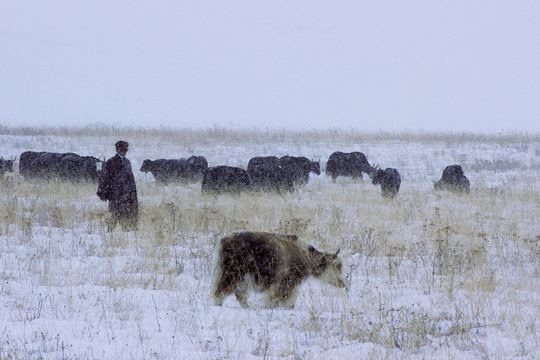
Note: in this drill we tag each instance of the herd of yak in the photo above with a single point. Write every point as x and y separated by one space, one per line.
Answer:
268 173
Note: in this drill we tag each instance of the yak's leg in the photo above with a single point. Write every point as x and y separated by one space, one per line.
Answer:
286 292
219 297
222 289
241 293
291 299
271 297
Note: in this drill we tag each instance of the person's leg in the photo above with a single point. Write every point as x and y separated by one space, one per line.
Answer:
129 219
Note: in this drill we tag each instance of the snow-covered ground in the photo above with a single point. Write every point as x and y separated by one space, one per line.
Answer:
432 275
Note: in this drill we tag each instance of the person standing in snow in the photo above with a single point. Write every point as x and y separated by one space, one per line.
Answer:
116 184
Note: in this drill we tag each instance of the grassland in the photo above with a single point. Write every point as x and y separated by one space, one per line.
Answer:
432 274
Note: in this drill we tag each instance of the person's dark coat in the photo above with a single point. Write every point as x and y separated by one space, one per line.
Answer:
117 185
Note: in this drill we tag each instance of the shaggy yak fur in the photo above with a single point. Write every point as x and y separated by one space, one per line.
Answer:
5 166
275 264
225 179
390 181
453 179
348 164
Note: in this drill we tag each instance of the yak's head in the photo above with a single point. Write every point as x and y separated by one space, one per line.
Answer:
315 166
328 267
378 177
146 166
6 165
372 171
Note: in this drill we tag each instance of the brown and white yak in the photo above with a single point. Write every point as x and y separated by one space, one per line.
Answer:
274 264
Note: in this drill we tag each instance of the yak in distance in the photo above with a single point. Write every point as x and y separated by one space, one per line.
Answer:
188 170
453 179
348 164
6 166
267 175
262 160
225 179
63 166
390 181
284 173
275 264
298 168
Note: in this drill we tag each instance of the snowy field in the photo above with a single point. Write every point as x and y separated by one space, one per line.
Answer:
432 274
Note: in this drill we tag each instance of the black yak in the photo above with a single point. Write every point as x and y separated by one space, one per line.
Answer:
5 166
25 163
65 166
188 170
298 168
348 164
275 264
270 177
225 179
453 179
390 181
260 160
80 168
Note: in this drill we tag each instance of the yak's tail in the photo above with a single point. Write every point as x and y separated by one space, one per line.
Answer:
217 271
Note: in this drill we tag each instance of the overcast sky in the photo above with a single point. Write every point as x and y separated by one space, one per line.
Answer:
391 65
